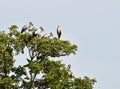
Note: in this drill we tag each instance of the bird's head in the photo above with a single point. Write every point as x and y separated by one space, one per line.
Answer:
30 23
51 34
59 27
41 28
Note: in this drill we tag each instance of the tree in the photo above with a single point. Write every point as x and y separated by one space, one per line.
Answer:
40 71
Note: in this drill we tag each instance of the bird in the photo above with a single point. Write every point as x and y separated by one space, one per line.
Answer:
38 31
25 27
59 31
48 35
69 66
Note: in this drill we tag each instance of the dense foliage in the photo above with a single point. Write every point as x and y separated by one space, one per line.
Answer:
52 74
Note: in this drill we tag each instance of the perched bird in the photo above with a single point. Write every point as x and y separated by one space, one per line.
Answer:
38 31
25 27
48 35
68 67
59 31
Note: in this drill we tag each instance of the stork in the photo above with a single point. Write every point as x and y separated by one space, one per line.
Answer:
69 66
25 27
48 35
59 31
38 31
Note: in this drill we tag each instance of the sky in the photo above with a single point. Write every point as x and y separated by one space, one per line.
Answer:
93 25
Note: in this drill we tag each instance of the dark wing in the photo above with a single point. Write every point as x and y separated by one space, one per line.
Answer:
34 34
59 34
24 29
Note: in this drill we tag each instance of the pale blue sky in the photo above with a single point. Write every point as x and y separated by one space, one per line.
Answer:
93 25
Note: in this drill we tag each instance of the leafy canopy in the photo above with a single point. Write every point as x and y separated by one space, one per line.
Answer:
40 71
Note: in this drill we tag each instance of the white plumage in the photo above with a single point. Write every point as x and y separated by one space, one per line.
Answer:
25 27
47 35
38 31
